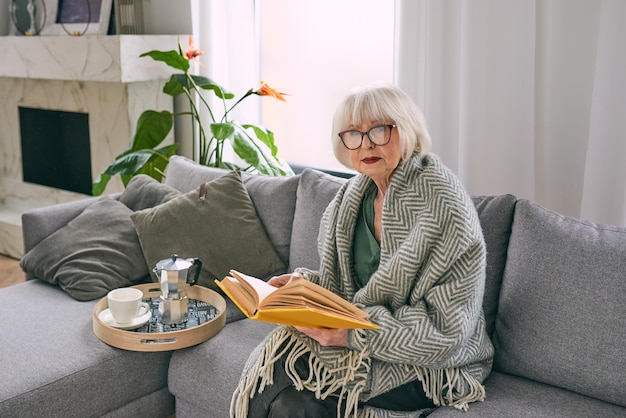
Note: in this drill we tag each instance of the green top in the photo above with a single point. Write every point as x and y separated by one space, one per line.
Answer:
365 248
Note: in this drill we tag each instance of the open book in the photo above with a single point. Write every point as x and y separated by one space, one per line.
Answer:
298 303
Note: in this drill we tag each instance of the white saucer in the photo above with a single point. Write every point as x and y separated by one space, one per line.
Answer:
106 317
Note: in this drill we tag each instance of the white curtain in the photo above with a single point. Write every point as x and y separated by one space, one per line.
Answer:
226 30
523 97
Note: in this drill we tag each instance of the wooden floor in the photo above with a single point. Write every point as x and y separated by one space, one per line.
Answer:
10 272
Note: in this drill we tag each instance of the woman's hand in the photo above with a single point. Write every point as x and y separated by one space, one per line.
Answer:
283 279
327 337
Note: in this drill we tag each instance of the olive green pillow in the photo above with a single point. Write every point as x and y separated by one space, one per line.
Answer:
223 230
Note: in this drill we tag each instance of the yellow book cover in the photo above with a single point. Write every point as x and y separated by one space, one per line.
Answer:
298 303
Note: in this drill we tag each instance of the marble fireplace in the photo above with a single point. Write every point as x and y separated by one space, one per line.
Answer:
97 86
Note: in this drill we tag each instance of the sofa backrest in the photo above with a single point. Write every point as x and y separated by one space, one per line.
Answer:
562 316
554 288
315 191
292 218
496 216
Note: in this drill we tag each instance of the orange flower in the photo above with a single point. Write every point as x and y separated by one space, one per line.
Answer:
266 90
192 53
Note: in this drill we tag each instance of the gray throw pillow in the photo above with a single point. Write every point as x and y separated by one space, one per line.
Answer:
223 231
144 192
315 192
95 252
562 314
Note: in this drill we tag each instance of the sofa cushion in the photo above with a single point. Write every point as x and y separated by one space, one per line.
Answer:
95 252
222 230
561 313
315 191
496 216
53 365
512 396
144 192
216 367
274 197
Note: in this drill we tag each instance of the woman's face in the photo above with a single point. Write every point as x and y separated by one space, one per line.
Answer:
376 161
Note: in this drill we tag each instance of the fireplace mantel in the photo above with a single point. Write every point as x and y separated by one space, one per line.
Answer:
102 76
97 58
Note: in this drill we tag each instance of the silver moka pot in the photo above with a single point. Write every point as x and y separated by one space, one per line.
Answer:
175 275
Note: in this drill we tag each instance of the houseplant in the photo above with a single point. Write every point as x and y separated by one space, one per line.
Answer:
254 145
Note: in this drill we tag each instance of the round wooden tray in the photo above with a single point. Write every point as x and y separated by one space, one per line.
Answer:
162 341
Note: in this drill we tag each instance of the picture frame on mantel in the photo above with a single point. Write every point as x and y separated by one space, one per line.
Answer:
77 17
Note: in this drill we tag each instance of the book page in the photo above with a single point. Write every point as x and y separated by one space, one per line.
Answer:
239 294
303 296
288 301
257 286
321 295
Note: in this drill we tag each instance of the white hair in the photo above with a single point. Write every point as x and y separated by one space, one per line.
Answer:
386 104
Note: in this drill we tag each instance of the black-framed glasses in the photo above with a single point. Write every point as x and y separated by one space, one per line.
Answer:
378 135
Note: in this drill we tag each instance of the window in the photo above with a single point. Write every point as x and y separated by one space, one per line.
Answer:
317 51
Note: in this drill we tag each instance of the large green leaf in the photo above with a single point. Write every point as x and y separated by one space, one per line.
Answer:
156 164
175 85
208 84
266 136
256 153
124 165
98 186
168 150
172 58
152 128
130 163
178 82
221 131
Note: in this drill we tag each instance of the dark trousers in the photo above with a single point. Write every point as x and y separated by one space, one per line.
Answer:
281 399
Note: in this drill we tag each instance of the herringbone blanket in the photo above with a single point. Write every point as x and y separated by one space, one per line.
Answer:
426 296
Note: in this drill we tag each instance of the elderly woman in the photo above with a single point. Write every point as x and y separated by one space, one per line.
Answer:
402 241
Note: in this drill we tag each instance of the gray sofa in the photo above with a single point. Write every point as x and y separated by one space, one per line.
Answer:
554 303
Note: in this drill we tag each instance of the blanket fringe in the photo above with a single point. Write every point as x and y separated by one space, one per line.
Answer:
262 368
440 384
347 380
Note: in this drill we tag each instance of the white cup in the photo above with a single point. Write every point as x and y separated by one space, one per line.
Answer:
125 304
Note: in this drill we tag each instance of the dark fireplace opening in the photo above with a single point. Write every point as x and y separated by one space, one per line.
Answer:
55 149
